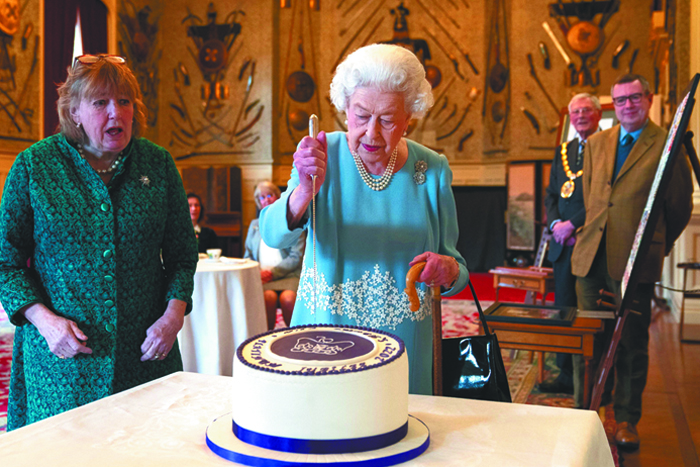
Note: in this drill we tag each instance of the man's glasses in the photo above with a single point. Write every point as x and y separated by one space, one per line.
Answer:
89 59
635 98
264 197
582 111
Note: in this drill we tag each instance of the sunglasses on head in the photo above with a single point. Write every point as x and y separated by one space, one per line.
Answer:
89 59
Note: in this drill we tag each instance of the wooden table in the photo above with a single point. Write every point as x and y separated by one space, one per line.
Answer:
532 279
576 339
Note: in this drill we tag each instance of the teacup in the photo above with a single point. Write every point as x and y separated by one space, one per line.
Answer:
214 253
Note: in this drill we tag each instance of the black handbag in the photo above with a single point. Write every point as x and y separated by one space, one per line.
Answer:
472 367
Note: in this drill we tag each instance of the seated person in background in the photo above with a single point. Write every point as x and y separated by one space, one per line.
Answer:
206 238
279 269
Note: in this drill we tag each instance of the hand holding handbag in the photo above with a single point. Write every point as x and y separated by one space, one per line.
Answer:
472 367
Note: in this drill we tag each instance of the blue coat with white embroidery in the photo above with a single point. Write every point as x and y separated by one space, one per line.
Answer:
364 242
108 257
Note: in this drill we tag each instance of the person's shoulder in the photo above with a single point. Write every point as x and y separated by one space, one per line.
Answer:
44 150
53 143
334 139
604 134
424 152
654 130
568 144
597 136
146 153
144 146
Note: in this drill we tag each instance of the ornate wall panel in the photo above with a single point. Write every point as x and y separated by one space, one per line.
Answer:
20 57
215 82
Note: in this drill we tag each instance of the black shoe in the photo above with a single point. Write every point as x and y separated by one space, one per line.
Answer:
556 387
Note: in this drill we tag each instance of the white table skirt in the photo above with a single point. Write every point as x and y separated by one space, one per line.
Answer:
227 308
163 423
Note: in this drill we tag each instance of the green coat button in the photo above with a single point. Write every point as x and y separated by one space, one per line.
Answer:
109 278
109 327
107 254
105 207
109 303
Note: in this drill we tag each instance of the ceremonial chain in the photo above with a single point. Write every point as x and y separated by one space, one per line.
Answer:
565 163
567 189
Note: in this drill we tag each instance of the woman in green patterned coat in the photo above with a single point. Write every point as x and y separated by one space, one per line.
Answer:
97 251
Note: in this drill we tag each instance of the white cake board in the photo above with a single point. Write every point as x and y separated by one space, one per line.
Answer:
223 442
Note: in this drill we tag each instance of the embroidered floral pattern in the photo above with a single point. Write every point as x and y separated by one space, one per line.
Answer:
372 301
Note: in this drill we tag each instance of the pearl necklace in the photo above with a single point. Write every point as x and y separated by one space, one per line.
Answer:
109 169
382 182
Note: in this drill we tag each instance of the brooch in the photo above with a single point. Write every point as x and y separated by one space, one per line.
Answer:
145 180
419 176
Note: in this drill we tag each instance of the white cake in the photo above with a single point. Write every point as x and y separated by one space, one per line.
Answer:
321 383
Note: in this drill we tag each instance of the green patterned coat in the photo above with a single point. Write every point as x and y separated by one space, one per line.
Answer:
96 259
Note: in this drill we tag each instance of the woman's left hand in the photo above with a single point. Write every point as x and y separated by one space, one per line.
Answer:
440 270
160 337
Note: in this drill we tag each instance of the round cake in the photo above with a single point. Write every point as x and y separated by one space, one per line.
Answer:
321 389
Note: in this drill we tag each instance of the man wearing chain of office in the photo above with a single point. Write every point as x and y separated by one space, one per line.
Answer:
565 214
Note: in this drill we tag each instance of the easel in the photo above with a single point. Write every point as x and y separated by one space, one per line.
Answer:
606 364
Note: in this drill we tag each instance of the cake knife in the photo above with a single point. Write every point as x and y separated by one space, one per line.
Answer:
313 132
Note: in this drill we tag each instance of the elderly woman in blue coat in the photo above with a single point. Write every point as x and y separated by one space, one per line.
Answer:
383 203
101 215
279 268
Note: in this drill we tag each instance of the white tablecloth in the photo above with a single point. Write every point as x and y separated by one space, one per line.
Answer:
227 308
163 423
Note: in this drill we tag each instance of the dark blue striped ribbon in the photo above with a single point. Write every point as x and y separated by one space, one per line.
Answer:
315 446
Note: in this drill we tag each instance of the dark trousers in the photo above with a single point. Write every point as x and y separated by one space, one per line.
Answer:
631 363
564 295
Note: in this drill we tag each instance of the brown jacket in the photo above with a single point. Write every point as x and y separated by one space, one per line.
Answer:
616 208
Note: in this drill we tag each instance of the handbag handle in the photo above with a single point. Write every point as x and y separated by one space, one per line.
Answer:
482 317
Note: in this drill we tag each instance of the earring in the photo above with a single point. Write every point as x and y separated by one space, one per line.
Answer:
78 125
346 122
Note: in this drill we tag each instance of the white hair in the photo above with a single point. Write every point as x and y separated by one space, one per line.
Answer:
584 95
388 68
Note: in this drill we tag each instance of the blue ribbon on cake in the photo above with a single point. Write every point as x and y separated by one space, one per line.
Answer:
316 446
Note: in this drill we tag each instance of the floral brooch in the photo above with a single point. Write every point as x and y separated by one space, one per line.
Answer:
420 168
